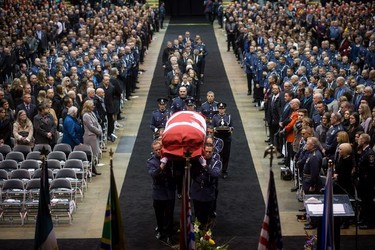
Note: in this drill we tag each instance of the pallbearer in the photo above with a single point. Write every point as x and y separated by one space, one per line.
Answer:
159 117
223 128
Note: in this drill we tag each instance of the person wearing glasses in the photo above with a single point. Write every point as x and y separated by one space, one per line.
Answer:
223 128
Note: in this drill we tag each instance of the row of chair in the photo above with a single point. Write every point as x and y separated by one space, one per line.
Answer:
19 201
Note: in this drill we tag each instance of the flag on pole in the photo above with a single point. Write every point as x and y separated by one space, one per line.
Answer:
113 230
327 235
187 236
270 235
44 234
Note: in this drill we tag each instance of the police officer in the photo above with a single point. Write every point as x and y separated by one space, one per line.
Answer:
203 186
159 117
164 190
311 181
366 175
209 107
178 103
190 104
223 128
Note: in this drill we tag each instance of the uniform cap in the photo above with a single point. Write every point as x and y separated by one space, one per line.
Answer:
162 100
222 105
190 102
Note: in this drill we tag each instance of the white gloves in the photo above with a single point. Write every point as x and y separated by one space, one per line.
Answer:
202 161
164 160
155 129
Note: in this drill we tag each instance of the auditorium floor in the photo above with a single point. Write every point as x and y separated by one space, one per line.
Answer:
88 219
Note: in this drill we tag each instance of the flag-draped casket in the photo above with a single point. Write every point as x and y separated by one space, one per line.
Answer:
184 132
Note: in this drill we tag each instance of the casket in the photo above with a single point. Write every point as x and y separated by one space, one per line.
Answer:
185 131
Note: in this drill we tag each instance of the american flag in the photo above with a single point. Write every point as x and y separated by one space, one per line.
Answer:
270 235
327 242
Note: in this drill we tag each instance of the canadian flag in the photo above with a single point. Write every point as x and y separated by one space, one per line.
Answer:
184 132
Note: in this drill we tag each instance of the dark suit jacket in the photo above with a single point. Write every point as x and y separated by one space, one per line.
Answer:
41 127
108 98
33 111
274 111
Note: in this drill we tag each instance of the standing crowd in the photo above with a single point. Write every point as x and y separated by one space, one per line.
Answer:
66 72
311 69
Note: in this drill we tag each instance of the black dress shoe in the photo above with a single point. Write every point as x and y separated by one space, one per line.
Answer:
302 209
254 101
294 189
281 163
268 140
97 173
280 157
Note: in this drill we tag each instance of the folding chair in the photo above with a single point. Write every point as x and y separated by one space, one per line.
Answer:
38 174
14 155
5 149
30 165
57 155
12 200
3 177
32 199
77 166
39 147
85 155
9 165
71 175
62 199
21 174
24 149
54 165
63 147
1 157
34 155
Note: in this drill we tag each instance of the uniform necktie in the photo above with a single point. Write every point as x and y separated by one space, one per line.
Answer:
27 107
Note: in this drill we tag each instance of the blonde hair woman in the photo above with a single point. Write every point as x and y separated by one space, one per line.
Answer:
92 128
365 116
23 130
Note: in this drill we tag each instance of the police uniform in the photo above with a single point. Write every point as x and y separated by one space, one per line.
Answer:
190 104
164 190
223 129
159 118
209 110
311 170
178 104
366 174
203 188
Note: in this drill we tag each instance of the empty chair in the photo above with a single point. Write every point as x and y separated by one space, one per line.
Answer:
32 198
38 174
35 155
1 157
57 155
8 165
39 147
54 165
30 165
24 149
17 156
63 147
81 155
71 175
21 174
13 199
63 202
3 177
5 149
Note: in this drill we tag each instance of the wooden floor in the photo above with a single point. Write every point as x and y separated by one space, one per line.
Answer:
88 219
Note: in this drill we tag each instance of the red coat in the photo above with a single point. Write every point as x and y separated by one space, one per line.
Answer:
289 127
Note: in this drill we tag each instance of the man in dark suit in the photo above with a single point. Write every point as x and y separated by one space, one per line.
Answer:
274 112
109 105
31 109
41 35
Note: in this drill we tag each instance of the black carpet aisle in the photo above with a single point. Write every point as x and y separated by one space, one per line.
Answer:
240 203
